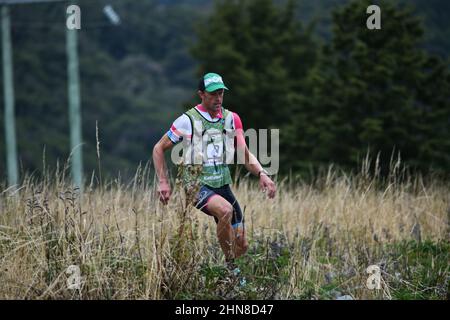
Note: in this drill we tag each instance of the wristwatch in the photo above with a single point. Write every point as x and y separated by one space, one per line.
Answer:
262 172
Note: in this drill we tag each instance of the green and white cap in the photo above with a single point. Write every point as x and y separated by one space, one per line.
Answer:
213 82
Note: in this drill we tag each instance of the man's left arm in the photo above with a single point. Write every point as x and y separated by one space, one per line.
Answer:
252 165
251 162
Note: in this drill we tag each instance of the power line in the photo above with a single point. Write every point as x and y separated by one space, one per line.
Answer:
47 25
9 2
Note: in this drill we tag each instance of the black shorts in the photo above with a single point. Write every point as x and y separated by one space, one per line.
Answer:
207 192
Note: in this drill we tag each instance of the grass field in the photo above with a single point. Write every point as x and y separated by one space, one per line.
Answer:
313 241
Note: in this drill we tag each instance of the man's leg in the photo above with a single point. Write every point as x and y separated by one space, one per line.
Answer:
241 244
223 211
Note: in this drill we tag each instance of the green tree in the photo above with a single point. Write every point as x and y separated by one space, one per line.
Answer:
374 90
263 54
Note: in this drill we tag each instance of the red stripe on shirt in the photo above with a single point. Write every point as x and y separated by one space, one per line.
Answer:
179 133
240 140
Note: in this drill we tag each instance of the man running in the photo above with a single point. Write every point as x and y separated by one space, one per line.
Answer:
215 197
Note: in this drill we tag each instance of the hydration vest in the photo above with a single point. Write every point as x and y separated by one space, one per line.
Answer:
212 146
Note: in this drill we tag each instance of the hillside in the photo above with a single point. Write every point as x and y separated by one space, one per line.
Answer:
136 77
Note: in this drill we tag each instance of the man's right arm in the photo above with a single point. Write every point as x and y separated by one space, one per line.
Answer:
161 168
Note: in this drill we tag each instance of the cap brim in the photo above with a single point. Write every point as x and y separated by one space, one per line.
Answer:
215 87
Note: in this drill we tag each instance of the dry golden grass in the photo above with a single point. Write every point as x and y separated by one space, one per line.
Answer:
313 241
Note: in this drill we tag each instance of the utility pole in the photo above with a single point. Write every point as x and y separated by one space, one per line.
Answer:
73 86
8 92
